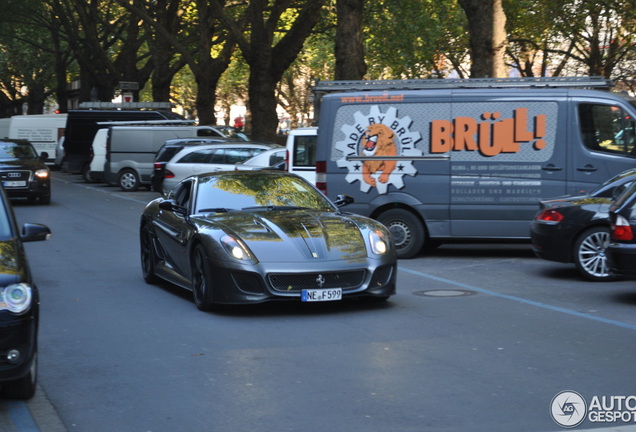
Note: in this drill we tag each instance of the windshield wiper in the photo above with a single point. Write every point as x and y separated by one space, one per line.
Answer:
216 210
274 207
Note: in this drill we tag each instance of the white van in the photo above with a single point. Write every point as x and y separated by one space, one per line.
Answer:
95 171
470 159
43 131
130 151
301 152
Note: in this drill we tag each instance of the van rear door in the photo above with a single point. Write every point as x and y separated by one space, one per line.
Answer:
506 155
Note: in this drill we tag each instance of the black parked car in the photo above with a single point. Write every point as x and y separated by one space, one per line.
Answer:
22 172
236 237
621 252
575 229
169 149
19 306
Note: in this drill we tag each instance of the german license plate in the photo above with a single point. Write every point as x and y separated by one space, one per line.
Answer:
14 183
316 295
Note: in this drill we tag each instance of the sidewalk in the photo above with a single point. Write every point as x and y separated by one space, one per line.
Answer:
35 415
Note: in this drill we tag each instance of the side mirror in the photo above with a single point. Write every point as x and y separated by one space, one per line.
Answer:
171 205
34 232
343 200
44 156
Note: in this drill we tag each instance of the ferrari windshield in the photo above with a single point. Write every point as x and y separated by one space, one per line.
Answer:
250 191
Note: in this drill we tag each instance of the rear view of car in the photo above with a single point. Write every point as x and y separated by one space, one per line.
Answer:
621 252
575 229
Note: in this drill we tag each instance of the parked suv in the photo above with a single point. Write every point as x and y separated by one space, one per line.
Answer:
208 158
170 148
23 173
19 306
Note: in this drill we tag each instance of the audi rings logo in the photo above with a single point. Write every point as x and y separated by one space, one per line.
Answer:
14 175
568 409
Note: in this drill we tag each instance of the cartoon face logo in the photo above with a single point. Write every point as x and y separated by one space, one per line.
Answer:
378 140
376 149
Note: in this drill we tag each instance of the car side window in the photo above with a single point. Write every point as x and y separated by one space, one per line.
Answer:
183 194
607 129
200 156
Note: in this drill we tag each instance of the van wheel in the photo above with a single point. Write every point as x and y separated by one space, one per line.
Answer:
128 180
407 230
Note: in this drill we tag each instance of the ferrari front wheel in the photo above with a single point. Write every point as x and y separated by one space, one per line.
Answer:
147 256
201 280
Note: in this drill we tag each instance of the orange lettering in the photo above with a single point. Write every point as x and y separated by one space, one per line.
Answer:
521 123
441 136
465 130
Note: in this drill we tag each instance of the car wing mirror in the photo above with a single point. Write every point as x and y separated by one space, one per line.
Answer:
343 200
34 232
171 205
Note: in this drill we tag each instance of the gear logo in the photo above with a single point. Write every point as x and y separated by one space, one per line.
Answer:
377 148
568 409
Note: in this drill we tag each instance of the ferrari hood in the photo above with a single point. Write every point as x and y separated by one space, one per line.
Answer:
296 235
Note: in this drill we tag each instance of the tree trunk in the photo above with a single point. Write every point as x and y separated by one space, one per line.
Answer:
487 30
349 47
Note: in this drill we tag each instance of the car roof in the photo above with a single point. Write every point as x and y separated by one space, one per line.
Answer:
239 144
196 140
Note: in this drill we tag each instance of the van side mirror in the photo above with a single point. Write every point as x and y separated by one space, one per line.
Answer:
343 200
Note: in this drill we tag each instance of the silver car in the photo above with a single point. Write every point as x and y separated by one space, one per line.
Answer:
209 158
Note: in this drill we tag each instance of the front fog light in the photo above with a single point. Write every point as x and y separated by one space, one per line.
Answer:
17 297
13 356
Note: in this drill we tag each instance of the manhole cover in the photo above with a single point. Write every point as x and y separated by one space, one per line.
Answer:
444 293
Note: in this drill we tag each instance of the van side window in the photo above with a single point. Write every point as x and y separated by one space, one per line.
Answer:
305 151
607 128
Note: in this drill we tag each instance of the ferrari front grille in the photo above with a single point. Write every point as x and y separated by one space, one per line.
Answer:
296 282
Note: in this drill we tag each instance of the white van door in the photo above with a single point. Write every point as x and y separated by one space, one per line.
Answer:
603 144
505 157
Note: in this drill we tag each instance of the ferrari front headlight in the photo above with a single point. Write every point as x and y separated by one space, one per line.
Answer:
16 298
235 248
379 242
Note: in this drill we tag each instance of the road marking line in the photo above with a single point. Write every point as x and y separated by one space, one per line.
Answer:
522 300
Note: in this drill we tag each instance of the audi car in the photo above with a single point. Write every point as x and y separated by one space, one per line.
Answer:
235 237
23 173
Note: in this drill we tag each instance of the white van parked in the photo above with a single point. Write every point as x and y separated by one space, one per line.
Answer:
301 152
130 151
43 131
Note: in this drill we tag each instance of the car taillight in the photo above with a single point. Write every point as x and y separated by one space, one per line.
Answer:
621 229
321 176
168 174
158 166
550 215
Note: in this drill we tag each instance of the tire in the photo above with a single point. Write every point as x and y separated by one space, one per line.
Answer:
23 388
407 230
201 280
147 256
128 180
589 254
86 174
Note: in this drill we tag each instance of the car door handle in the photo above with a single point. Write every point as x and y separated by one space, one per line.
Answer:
588 168
551 167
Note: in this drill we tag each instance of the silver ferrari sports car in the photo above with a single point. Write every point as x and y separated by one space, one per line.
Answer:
253 236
